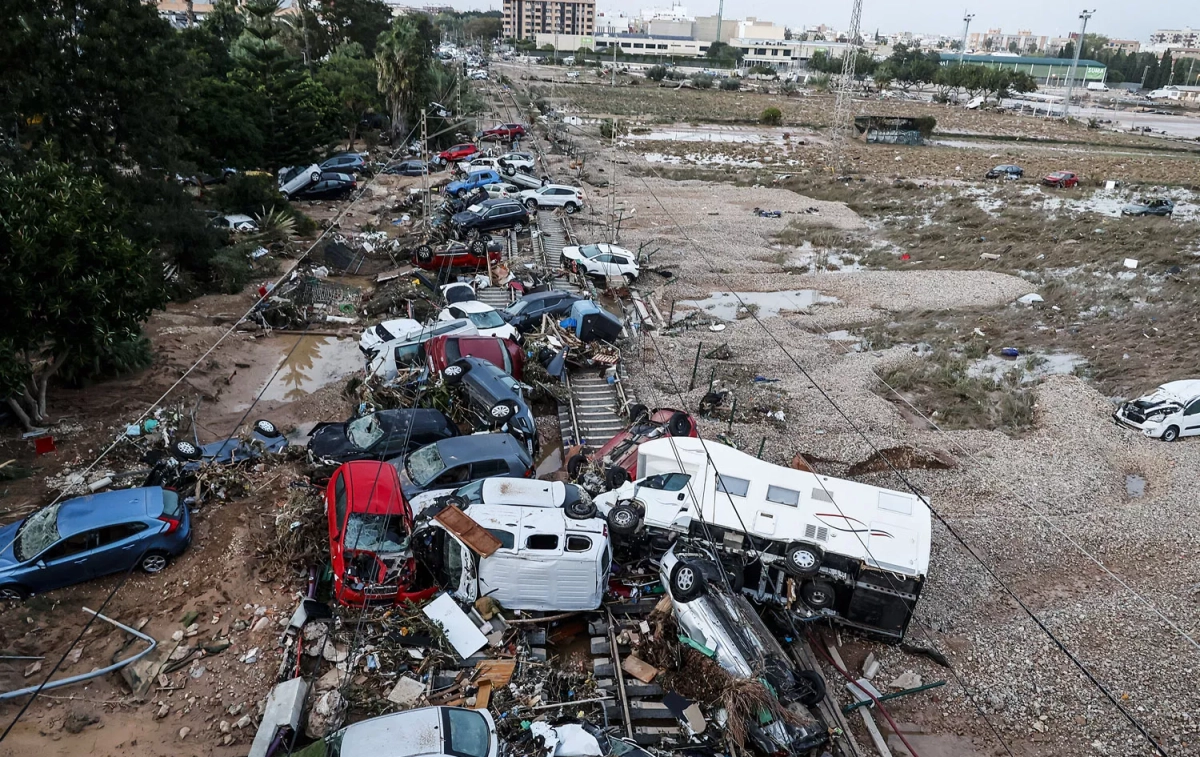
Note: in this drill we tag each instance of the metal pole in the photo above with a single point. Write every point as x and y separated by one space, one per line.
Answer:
695 365
761 445
1075 61
962 48
424 167
720 13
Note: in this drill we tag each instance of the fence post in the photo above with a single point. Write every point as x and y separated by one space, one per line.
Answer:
695 367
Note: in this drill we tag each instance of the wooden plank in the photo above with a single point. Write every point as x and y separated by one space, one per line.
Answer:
639 669
876 736
484 695
499 672
475 536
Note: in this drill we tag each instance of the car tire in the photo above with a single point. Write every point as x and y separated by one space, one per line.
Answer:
735 575
454 372
687 582
13 593
460 502
1171 434
266 428
315 176
818 595
472 234
478 247
802 560
510 170
518 227
615 477
624 519
423 254
531 205
575 464
570 208
502 412
810 688
638 413
629 279
679 425
545 180
185 450
153 562
581 509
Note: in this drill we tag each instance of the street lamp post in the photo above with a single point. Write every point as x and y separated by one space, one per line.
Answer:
962 48
1075 61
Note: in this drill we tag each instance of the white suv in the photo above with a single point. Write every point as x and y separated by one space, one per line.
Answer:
562 196
426 731
296 178
602 260
1169 412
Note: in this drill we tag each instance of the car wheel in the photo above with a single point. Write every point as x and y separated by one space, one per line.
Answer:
810 687
454 372
803 560
315 176
153 562
581 509
531 205
679 425
818 594
472 234
185 450
502 412
570 208
479 247
624 519
460 502
423 254
518 227
13 593
687 582
1171 434
615 477
266 428
629 279
510 170
638 413
575 464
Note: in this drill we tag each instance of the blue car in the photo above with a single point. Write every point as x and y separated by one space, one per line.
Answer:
88 537
472 181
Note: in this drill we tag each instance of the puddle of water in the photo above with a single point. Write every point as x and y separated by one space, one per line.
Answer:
314 363
851 341
1032 367
1135 485
551 463
725 305
821 260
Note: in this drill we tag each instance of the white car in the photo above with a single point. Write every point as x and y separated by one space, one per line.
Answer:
570 199
387 331
1169 412
486 318
520 160
295 178
478 75
423 732
238 223
602 260
501 165
502 191
519 492
405 353
483 164
572 74
526 180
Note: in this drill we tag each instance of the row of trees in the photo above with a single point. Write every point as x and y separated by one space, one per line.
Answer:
909 69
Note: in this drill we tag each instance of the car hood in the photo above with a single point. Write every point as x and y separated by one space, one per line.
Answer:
1133 206
8 535
463 217
329 440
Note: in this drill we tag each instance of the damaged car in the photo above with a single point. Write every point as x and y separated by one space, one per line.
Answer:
423 732
407 354
617 459
450 463
1150 206
521 492
505 354
1169 412
379 435
178 465
494 399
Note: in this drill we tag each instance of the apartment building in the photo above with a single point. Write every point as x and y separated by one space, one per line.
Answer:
1185 37
1024 41
525 18
1126 46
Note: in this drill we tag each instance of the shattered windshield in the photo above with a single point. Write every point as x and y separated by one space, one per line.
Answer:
488 319
38 533
364 431
424 465
472 492
382 534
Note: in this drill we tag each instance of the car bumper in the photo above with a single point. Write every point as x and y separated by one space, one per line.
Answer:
1152 430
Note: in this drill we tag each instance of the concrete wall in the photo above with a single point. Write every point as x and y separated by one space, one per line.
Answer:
665 27
704 28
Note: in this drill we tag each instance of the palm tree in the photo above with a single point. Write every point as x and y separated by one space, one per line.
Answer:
403 56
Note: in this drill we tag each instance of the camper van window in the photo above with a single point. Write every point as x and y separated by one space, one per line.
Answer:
667 482
605 560
507 538
735 486
578 544
783 496
542 541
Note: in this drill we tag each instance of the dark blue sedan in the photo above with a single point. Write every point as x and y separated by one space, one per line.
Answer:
88 537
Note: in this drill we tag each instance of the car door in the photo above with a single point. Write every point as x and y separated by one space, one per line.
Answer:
604 265
118 548
620 265
667 498
64 563
1191 419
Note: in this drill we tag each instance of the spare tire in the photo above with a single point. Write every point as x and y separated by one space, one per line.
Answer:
818 594
423 254
679 425
624 519
615 476
185 450
454 372
266 428
502 412
638 413
581 509
575 464
802 560
687 582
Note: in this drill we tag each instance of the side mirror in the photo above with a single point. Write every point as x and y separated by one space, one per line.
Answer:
40 564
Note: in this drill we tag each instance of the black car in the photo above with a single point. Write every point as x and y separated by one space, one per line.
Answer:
490 215
379 435
494 398
450 463
1005 172
408 168
526 313
331 186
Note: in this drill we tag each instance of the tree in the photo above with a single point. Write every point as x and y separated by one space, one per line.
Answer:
883 77
404 56
719 51
358 21
74 284
349 75
771 116
656 73
1013 47
486 28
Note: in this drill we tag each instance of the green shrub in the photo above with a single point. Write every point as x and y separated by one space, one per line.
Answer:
250 195
771 116
124 356
656 73
731 84
702 81
610 129
230 268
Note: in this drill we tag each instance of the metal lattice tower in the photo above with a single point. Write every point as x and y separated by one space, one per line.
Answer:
841 107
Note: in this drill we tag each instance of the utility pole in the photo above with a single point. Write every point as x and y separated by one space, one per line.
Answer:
841 106
613 82
424 167
962 48
1075 61
720 14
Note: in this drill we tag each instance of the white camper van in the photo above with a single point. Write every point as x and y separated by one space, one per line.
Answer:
854 551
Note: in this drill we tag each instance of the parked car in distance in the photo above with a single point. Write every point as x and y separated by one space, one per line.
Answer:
331 186
494 398
423 732
602 260
502 191
485 317
375 336
369 528
450 463
526 313
379 435
503 132
490 215
570 199
236 223
88 537
350 162
1169 412
457 153
618 458
407 168
1149 206
1005 172
471 182
1061 179
505 354
407 354
296 178
454 255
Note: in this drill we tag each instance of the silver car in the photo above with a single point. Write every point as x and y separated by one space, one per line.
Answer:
427 732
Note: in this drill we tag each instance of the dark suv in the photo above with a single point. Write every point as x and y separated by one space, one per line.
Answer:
450 463
494 398
526 313
489 215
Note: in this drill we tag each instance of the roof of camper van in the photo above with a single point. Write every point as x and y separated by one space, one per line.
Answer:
888 529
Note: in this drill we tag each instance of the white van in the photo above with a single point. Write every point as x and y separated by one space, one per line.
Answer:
1097 86
860 552
545 561
1166 93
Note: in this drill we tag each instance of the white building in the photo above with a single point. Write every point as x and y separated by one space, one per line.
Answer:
783 54
629 44
1165 38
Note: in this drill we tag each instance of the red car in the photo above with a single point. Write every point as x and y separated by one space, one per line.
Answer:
457 153
468 255
369 527
618 458
1061 179
504 132
505 354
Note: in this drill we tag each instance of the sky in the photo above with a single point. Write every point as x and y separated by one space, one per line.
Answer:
1119 19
